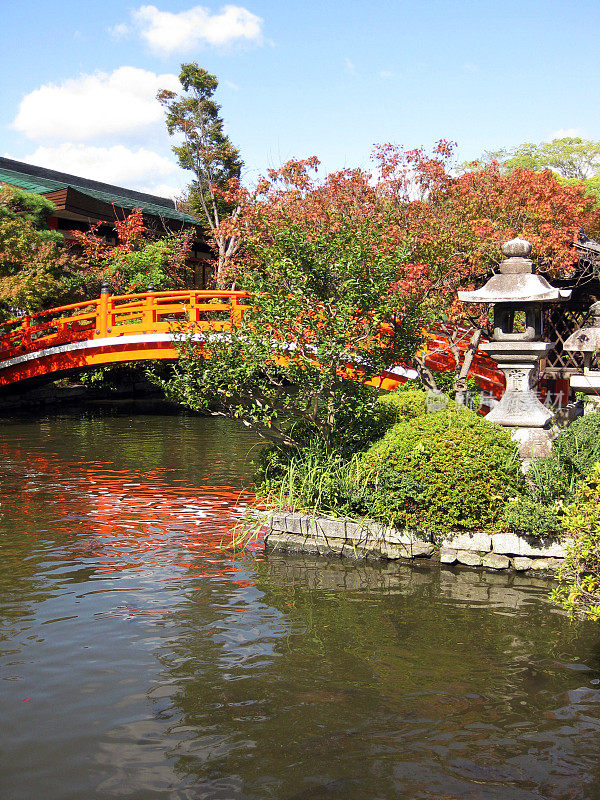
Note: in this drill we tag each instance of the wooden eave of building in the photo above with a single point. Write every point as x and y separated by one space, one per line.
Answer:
81 206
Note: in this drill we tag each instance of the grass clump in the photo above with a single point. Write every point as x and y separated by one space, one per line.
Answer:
573 457
312 481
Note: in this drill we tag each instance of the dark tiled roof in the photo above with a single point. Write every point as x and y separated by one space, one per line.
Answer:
42 181
585 243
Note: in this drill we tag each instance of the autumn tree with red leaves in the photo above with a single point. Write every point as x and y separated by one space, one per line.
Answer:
456 224
346 272
137 260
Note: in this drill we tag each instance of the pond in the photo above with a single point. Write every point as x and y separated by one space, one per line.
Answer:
139 659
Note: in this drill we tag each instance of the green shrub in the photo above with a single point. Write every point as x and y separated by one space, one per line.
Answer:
573 456
399 406
579 578
443 470
523 515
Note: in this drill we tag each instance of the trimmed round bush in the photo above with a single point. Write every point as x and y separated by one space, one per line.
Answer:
451 469
400 406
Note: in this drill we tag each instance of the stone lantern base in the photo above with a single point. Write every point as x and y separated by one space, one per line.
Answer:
519 407
533 443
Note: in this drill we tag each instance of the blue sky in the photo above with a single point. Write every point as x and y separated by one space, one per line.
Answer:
296 79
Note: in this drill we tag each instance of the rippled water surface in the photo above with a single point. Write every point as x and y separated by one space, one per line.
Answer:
140 660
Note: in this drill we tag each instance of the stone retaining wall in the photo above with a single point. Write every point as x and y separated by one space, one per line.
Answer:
337 537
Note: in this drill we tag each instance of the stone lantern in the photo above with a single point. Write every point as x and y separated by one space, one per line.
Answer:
517 293
587 341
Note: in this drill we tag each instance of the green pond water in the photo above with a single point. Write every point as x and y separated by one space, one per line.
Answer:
138 659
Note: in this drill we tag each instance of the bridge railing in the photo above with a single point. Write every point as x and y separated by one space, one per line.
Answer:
112 316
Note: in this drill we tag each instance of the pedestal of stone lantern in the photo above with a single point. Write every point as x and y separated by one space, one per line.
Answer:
517 352
520 408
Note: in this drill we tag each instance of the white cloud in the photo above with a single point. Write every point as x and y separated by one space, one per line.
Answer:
90 106
171 190
119 31
564 133
140 169
349 66
386 74
166 32
469 67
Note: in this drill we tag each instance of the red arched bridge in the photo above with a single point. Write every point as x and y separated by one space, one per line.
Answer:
127 328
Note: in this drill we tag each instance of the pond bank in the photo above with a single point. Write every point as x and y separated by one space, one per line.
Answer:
48 398
301 533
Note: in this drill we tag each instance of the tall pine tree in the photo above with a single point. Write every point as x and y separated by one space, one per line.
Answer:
208 153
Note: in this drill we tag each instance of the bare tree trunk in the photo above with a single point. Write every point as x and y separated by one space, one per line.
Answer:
227 247
425 374
460 384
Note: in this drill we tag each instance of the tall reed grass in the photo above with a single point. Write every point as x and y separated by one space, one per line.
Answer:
318 482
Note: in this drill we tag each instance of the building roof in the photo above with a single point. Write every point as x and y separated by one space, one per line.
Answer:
44 181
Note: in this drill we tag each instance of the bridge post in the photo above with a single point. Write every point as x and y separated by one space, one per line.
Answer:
193 311
102 319
149 309
236 312
26 332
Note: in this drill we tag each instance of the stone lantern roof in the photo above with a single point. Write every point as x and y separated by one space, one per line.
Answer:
586 340
516 282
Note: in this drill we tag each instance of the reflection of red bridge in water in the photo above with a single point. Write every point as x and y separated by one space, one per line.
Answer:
140 327
114 520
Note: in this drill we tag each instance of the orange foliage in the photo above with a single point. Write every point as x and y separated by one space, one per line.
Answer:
450 226
292 196
456 224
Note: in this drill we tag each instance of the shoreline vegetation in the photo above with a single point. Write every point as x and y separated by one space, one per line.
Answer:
445 474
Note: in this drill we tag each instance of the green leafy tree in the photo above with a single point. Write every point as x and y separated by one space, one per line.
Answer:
36 271
159 263
572 159
18 204
138 260
208 153
332 303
